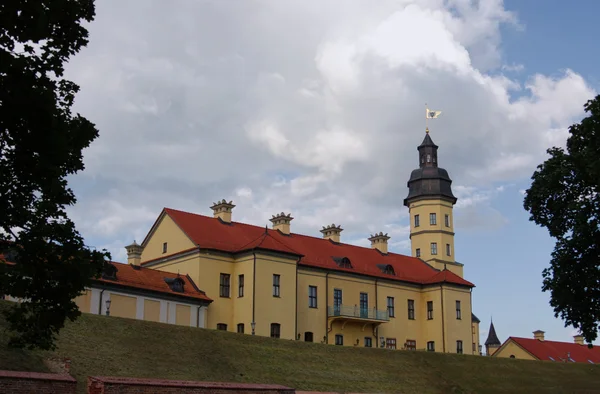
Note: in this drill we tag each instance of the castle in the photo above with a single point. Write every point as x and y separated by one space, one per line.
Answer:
216 273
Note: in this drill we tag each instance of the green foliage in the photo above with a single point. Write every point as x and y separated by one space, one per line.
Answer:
41 143
564 197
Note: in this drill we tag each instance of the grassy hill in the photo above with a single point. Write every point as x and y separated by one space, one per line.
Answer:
99 345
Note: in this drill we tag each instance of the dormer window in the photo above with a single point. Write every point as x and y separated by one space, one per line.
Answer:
386 269
342 262
175 284
109 272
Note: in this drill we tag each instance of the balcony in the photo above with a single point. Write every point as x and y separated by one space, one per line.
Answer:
348 313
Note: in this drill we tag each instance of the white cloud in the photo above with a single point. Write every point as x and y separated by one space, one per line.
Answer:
304 106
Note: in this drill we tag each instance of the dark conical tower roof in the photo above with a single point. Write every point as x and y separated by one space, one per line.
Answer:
429 181
427 141
492 338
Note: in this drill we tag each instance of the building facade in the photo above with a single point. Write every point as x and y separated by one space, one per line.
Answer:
274 282
538 348
135 292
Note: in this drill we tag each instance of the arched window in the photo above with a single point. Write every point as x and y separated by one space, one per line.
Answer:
428 158
308 336
512 356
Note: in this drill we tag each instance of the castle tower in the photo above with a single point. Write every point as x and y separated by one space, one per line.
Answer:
430 202
492 343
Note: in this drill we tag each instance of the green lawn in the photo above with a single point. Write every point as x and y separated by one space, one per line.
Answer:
99 345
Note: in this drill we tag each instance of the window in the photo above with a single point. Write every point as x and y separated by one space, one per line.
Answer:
474 347
411 344
434 248
241 286
432 219
447 220
431 346
225 278
275 330
222 326
428 158
512 356
364 305
411 309
308 336
390 306
312 296
337 301
417 221
339 340
459 348
240 328
458 314
276 279
418 252
165 247
390 343
368 342
429 310
447 249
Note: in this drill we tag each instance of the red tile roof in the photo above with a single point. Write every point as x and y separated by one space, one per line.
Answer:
559 351
212 233
5 261
151 279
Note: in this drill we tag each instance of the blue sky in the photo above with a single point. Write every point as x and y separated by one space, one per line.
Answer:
316 108
555 36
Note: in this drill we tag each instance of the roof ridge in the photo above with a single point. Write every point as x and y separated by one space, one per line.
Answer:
291 233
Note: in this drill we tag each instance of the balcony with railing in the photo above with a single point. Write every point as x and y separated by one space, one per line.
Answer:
357 313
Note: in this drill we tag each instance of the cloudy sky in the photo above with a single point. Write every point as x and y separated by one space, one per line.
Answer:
316 108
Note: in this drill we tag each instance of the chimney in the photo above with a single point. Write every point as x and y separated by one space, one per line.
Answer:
539 334
380 241
332 232
578 339
281 222
134 253
222 210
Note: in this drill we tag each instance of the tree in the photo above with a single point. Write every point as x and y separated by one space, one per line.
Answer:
564 197
41 143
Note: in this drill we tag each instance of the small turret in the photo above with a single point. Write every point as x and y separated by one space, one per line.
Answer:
492 343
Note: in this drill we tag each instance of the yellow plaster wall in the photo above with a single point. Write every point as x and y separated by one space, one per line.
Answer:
151 310
312 319
242 306
270 309
457 329
351 288
431 329
423 235
205 270
123 306
84 301
400 326
511 348
182 315
165 231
